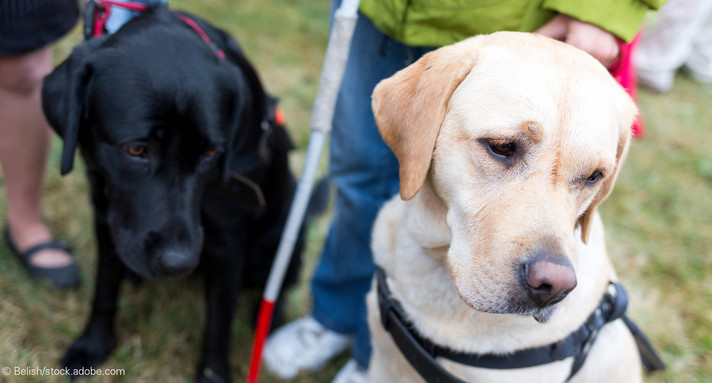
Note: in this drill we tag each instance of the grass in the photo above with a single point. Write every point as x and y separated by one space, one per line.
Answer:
658 225
658 221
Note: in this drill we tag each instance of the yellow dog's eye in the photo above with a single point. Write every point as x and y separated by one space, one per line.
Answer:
136 149
502 148
594 177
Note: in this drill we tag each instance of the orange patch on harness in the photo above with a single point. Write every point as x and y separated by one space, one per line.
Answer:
279 117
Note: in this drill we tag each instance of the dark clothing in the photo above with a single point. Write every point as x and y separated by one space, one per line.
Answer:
27 25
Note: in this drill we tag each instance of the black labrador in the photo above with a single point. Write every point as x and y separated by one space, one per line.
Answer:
187 168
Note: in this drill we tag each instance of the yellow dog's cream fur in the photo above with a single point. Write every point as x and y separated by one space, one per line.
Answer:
452 244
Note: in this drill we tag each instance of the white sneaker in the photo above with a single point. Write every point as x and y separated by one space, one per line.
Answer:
351 373
302 345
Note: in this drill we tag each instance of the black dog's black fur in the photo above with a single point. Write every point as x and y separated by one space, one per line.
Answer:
182 169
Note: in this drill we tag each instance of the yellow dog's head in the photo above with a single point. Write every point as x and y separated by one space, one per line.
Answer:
519 138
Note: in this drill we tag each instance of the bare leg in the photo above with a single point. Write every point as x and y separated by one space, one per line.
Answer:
24 144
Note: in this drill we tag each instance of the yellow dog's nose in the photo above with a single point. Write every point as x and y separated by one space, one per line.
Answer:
549 281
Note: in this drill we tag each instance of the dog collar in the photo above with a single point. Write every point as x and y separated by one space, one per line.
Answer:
421 353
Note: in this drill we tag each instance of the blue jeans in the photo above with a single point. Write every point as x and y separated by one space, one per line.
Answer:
365 173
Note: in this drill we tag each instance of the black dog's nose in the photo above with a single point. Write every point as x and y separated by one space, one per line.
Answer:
175 262
548 280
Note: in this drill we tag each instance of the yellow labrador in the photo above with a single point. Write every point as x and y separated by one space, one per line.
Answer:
507 143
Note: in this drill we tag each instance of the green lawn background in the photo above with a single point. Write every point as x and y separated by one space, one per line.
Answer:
658 223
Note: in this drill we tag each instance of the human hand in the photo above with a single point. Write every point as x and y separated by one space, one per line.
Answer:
599 43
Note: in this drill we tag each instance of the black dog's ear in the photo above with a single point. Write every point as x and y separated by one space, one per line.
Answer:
238 125
249 109
64 98
246 133
241 154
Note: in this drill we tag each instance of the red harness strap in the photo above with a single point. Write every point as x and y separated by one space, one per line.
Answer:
103 11
201 33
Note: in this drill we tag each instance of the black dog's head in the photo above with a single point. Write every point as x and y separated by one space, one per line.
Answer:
157 115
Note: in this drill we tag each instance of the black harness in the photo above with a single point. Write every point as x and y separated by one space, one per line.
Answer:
422 353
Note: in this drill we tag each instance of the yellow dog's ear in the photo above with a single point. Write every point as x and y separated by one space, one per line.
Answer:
621 153
409 108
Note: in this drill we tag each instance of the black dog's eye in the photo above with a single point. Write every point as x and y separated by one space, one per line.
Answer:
502 148
136 149
594 177
211 152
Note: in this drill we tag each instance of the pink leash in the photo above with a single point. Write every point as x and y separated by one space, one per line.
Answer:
623 71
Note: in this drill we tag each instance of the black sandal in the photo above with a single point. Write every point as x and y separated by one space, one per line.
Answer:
61 277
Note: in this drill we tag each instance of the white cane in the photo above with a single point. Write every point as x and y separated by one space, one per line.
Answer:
337 52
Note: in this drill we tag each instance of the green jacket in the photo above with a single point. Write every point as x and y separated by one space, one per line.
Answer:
442 22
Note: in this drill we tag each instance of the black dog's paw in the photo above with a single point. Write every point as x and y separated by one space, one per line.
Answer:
213 374
86 354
